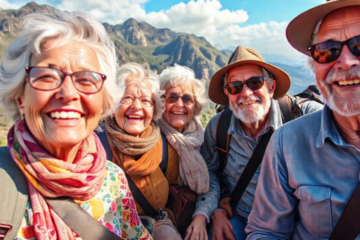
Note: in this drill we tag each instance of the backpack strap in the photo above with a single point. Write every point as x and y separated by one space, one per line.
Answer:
102 136
285 108
165 155
79 220
223 138
249 170
13 197
348 226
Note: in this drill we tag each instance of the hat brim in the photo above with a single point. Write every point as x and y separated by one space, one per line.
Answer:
300 30
216 87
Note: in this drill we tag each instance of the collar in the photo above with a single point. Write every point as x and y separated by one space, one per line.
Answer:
328 130
274 121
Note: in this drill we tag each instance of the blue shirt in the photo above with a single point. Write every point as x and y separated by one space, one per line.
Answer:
308 175
241 149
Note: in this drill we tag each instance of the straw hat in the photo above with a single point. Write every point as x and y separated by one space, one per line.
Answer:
300 30
243 56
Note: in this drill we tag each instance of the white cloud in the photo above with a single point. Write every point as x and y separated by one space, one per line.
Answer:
204 18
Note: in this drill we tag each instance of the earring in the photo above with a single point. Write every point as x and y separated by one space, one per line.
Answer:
22 117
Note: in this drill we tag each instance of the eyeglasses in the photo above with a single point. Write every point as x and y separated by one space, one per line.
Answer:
46 79
172 98
145 101
254 83
329 51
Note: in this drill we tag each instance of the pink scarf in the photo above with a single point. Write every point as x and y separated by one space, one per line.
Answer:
51 177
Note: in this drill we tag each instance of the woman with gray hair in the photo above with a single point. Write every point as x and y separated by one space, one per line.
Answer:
133 140
57 81
184 100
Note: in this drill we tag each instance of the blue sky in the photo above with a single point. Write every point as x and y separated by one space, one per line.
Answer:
259 24
258 10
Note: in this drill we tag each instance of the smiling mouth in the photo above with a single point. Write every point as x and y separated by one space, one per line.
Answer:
134 117
348 82
247 103
179 113
64 115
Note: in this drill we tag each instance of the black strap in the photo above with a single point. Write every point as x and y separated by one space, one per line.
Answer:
249 170
348 226
223 138
285 109
165 156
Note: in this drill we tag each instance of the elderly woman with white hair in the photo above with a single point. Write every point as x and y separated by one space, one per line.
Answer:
57 81
184 100
133 141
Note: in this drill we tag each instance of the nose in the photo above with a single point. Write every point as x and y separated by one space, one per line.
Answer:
136 104
179 102
245 92
67 90
346 59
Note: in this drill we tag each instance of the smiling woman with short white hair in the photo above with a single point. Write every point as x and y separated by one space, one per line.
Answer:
57 81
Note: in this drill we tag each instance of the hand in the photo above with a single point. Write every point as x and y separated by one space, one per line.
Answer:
197 229
221 226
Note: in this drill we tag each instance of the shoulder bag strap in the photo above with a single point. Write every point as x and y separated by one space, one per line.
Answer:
285 108
223 138
348 226
249 170
79 220
13 195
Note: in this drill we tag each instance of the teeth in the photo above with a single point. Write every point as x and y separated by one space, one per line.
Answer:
65 115
178 113
350 82
134 117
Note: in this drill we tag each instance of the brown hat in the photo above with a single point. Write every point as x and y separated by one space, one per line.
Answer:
300 30
243 56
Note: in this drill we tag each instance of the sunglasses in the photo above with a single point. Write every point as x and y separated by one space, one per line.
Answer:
172 98
329 51
253 83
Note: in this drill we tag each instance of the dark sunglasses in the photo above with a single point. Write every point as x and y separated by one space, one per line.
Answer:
329 51
172 98
253 83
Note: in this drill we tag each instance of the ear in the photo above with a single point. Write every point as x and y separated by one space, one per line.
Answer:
272 87
20 105
226 92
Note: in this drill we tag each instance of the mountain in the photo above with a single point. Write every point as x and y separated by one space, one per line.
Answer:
141 42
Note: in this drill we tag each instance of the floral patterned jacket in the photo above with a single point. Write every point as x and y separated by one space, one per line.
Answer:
113 206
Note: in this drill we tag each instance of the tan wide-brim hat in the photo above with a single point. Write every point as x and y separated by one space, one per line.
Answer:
300 30
243 56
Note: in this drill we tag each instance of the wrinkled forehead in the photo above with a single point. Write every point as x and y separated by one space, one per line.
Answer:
243 72
343 21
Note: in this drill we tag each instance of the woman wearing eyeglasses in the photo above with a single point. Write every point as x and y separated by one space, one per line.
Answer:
57 81
133 140
184 99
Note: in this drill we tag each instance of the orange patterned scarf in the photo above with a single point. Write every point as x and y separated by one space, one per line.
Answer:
140 157
51 177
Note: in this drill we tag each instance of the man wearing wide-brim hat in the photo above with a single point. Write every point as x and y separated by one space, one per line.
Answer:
249 86
309 183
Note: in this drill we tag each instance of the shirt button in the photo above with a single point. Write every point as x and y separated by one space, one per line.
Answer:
203 199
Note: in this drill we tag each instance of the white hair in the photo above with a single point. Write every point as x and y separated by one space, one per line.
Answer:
133 73
63 27
179 76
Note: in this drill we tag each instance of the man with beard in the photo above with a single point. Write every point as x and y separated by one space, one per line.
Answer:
308 187
249 86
